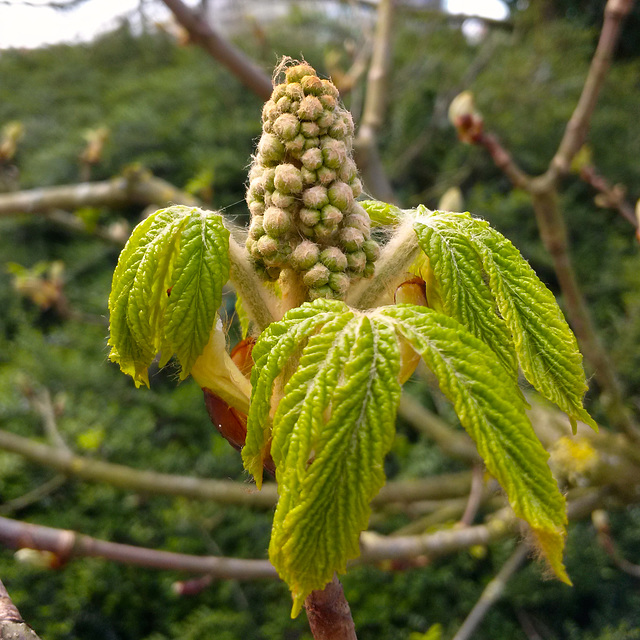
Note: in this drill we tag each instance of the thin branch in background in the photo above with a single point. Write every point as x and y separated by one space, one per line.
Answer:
453 443
366 150
12 626
575 133
600 521
609 197
201 32
475 496
527 625
445 486
42 403
135 187
33 496
492 593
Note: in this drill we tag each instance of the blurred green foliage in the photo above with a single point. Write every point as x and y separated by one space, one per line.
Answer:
176 112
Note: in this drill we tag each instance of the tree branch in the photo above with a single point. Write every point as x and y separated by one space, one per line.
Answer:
492 593
329 614
453 443
448 485
68 544
221 50
12 626
366 143
576 131
137 187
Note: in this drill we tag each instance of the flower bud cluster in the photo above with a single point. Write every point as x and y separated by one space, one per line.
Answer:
303 186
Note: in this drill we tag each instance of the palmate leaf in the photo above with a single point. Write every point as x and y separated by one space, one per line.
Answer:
464 251
331 432
491 409
166 289
459 285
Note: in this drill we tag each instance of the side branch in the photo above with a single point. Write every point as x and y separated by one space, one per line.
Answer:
441 487
12 626
221 50
140 188
576 131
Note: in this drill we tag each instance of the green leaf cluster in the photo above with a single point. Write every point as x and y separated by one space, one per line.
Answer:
166 290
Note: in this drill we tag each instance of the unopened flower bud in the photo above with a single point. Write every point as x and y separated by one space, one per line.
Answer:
286 126
324 232
282 200
288 179
356 187
270 149
328 102
356 261
324 291
371 249
312 143
295 91
317 276
369 270
256 208
340 195
312 84
277 222
312 159
296 72
326 176
283 105
333 259
315 197
308 176
269 111
334 153
267 246
331 216
256 230
305 255
348 171
309 217
310 108
296 147
339 282
326 119
360 222
309 129
278 92
351 239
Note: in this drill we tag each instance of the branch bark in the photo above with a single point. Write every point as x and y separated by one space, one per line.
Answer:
221 50
576 131
12 626
366 143
137 187
329 614
221 491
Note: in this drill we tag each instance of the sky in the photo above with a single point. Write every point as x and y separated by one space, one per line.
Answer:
29 25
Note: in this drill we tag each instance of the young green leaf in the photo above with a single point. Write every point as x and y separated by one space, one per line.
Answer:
166 289
545 345
491 409
381 213
457 274
273 350
331 432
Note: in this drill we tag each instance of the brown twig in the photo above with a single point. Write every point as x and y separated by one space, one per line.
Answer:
221 50
492 593
221 491
134 188
576 131
366 143
12 626
475 496
329 614
610 197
